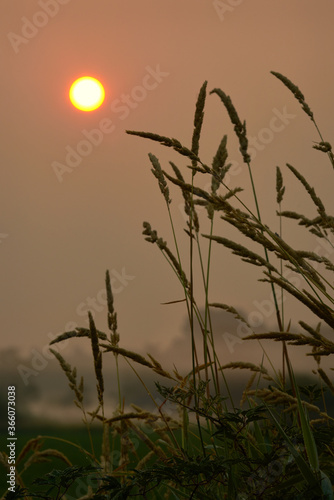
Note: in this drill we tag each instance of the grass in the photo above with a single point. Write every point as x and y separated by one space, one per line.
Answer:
68 440
278 442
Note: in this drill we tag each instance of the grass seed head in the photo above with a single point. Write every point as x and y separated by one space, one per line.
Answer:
218 165
158 173
296 92
239 127
198 122
279 185
97 355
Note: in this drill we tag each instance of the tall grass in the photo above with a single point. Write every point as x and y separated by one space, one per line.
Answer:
278 443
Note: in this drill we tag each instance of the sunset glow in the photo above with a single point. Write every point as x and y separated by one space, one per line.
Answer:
87 93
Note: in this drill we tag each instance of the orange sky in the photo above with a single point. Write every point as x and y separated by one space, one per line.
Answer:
76 188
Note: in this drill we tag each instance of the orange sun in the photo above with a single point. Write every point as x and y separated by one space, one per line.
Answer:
87 93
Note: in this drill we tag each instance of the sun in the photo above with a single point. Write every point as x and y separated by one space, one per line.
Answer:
87 93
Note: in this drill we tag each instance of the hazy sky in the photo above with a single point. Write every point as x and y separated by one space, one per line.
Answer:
61 227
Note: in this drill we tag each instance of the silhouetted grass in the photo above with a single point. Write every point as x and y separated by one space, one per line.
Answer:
278 442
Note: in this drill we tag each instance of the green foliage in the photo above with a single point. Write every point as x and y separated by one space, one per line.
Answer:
59 481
